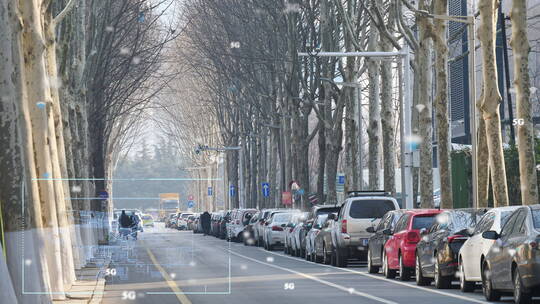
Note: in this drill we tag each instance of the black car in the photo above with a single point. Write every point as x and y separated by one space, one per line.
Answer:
437 252
223 225
381 234
513 262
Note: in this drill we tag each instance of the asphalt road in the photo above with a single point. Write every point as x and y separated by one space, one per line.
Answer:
168 266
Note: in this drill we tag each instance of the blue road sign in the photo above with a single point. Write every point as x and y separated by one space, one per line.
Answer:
341 179
210 191
266 189
300 192
103 195
232 190
190 204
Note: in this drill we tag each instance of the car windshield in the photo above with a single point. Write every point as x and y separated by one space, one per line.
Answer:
504 217
321 219
462 220
536 218
146 217
170 204
422 221
372 208
281 218
186 215
327 210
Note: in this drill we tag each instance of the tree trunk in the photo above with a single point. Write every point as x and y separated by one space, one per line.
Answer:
388 119
374 129
522 84
37 85
424 108
441 105
491 100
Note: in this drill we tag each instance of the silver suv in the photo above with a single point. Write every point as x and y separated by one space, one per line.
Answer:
360 210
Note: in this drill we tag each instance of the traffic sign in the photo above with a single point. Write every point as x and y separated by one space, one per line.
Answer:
341 179
210 191
190 197
232 190
190 204
266 189
103 195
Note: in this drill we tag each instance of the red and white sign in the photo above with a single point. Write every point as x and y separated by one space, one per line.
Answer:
286 198
190 197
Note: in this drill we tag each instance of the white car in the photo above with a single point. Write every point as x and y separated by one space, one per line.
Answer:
239 219
474 250
258 227
181 221
314 230
274 231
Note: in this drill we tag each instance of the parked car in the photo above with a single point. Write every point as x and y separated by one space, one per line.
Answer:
222 224
181 220
381 234
300 230
147 220
190 222
274 230
314 230
289 228
323 243
437 252
475 249
361 209
258 227
197 225
214 223
293 240
239 219
399 251
248 236
170 222
513 262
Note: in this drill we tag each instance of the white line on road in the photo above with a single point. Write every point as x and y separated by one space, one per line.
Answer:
340 287
383 279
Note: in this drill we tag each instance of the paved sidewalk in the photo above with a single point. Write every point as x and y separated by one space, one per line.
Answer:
89 286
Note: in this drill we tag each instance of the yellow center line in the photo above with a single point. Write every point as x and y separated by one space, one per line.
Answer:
177 291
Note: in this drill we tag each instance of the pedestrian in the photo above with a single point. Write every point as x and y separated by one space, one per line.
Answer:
205 222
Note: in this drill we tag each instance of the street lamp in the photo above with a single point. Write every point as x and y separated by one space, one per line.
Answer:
201 148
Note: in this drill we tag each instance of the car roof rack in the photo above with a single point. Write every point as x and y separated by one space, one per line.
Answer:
357 193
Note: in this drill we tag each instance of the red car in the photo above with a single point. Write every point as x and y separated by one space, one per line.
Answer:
399 250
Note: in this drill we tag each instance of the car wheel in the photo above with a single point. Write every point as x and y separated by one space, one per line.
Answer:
441 282
404 272
464 285
286 249
333 257
269 247
370 267
521 294
388 273
420 279
341 259
326 258
306 255
487 287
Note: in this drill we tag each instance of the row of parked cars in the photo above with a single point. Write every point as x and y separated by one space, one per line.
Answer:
184 221
494 249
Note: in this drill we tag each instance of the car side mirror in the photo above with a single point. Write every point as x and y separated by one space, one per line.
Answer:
490 235
370 229
283 225
317 226
423 231
387 231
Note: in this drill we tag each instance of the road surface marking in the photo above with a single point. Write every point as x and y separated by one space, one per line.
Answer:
177 291
340 287
383 279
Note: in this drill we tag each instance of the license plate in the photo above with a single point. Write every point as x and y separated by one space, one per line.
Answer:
365 242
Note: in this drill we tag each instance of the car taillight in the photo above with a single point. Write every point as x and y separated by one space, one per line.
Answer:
277 228
344 226
455 238
412 237
237 222
291 229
